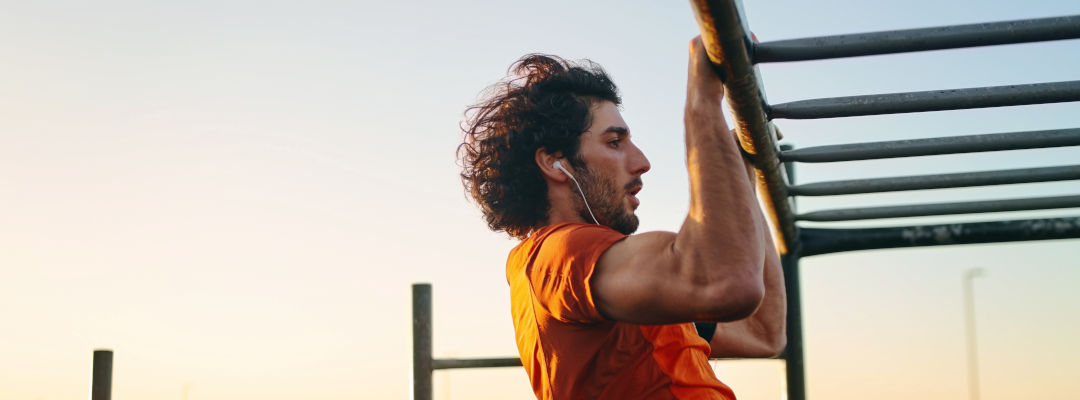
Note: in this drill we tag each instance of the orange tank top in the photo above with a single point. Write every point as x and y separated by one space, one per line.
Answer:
570 351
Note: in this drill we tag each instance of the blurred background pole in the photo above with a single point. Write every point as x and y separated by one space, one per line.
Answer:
422 388
101 386
969 322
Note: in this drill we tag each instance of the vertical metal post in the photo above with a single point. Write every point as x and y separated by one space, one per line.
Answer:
969 323
421 326
793 355
101 385
794 367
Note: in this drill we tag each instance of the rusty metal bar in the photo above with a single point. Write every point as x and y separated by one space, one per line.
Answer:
823 241
922 210
932 100
942 181
422 388
101 383
935 146
922 39
728 42
453 363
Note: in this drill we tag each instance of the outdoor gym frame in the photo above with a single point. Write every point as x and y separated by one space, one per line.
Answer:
730 47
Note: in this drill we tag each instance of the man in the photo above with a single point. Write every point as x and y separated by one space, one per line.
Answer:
600 313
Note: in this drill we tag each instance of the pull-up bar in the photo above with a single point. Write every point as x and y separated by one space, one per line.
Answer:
923 210
823 241
931 100
942 181
935 146
424 362
909 40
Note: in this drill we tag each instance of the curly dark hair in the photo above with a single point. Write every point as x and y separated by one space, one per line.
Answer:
544 103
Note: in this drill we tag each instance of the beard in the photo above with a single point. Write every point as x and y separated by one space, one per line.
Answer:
606 199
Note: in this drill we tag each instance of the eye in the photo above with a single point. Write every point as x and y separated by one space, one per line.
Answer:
614 143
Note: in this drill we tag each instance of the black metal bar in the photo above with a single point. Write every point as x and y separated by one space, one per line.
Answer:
922 210
822 241
101 383
935 146
728 42
933 100
920 182
794 363
452 363
422 388
922 39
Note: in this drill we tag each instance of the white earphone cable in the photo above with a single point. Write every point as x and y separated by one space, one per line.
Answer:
581 192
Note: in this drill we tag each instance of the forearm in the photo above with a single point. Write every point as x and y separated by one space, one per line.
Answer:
763 334
723 240
712 269
771 316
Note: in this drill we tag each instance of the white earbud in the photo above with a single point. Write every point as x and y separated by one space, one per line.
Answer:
558 165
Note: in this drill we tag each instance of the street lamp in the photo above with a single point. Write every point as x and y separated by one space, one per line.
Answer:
969 322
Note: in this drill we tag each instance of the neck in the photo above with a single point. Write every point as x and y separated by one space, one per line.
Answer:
562 206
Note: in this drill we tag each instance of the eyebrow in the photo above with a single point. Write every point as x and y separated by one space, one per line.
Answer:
618 129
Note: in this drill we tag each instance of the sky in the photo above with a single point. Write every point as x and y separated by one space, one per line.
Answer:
235 196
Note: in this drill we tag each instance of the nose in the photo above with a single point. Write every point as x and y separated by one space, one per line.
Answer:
639 164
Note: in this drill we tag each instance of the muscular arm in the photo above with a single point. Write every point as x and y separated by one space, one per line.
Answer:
713 268
763 334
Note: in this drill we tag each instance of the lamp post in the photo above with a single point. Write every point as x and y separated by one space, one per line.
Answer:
969 322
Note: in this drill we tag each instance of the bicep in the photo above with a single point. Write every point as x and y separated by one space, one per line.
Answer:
636 281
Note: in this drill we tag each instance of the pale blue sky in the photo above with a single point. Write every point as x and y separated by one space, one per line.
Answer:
236 195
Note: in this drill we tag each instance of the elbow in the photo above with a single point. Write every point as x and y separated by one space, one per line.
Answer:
775 346
774 339
765 348
780 346
767 342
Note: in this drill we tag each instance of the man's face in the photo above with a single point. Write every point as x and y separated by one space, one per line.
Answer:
611 174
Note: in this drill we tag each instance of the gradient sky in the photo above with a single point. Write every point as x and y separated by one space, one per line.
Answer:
236 195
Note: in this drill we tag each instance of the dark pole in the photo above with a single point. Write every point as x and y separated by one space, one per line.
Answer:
793 355
814 241
422 360
934 146
794 366
969 323
922 39
930 100
101 386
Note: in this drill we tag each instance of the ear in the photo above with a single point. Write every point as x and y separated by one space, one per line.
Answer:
545 161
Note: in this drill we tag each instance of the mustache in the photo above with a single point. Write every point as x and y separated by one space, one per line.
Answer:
634 183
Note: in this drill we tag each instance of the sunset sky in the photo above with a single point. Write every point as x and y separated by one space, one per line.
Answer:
236 196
